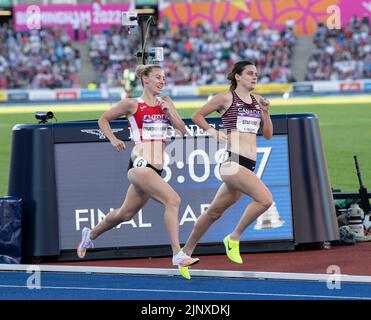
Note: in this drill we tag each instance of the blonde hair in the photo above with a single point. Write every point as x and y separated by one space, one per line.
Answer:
144 70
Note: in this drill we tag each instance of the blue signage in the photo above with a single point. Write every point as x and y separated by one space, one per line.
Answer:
367 86
90 94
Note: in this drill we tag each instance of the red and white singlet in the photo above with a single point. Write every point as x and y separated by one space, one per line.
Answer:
148 123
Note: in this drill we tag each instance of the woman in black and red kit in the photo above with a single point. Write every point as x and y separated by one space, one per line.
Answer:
149 117
243 114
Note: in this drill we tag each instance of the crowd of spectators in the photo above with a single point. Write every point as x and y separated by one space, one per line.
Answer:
197 55
341 54
37 59
192 56
111 52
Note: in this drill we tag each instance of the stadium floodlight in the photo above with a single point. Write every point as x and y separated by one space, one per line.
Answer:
44 116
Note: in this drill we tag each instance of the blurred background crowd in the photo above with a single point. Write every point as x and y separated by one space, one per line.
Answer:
192 56
341 54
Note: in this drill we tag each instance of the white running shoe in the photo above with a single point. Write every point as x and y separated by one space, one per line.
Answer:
85 243
183 260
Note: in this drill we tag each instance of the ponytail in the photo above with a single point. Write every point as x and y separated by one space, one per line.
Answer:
237 69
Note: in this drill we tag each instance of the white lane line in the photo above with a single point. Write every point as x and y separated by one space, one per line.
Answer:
193 272
283 295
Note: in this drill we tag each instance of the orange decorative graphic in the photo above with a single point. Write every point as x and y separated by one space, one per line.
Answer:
305 13
205 13
270 13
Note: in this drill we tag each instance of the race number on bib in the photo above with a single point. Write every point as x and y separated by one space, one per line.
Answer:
248 122
139 162
154 129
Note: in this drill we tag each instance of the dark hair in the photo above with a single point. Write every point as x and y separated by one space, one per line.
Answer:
237 69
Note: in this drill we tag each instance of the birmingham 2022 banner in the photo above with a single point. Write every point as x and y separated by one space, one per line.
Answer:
97 16
271 14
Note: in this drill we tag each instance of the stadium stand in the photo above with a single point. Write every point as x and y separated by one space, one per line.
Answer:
198 56
343 54
193 56
37 59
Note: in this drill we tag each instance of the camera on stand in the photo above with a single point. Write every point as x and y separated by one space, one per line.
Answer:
144 19
130 19
155 55
44 116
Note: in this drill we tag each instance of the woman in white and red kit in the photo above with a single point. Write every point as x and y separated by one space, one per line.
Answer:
148 116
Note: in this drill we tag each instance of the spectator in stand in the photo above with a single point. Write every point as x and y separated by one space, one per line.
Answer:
76 29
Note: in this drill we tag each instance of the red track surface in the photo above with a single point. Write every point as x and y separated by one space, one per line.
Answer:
352 260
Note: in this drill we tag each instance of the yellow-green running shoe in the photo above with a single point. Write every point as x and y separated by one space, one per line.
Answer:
184 272
183 261
232 248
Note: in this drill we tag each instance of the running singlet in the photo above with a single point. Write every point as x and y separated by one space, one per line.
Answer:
148 123
242 116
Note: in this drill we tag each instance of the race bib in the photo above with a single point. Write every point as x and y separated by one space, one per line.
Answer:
139 162
154 129
248 122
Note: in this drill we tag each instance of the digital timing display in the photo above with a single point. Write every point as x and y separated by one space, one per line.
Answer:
91 180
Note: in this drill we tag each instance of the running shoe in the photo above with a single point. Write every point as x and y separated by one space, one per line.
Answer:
183 260
232 248
184 272
85 243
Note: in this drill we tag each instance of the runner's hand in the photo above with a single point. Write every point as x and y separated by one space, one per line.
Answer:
264 104
166 104
218 135
118 144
